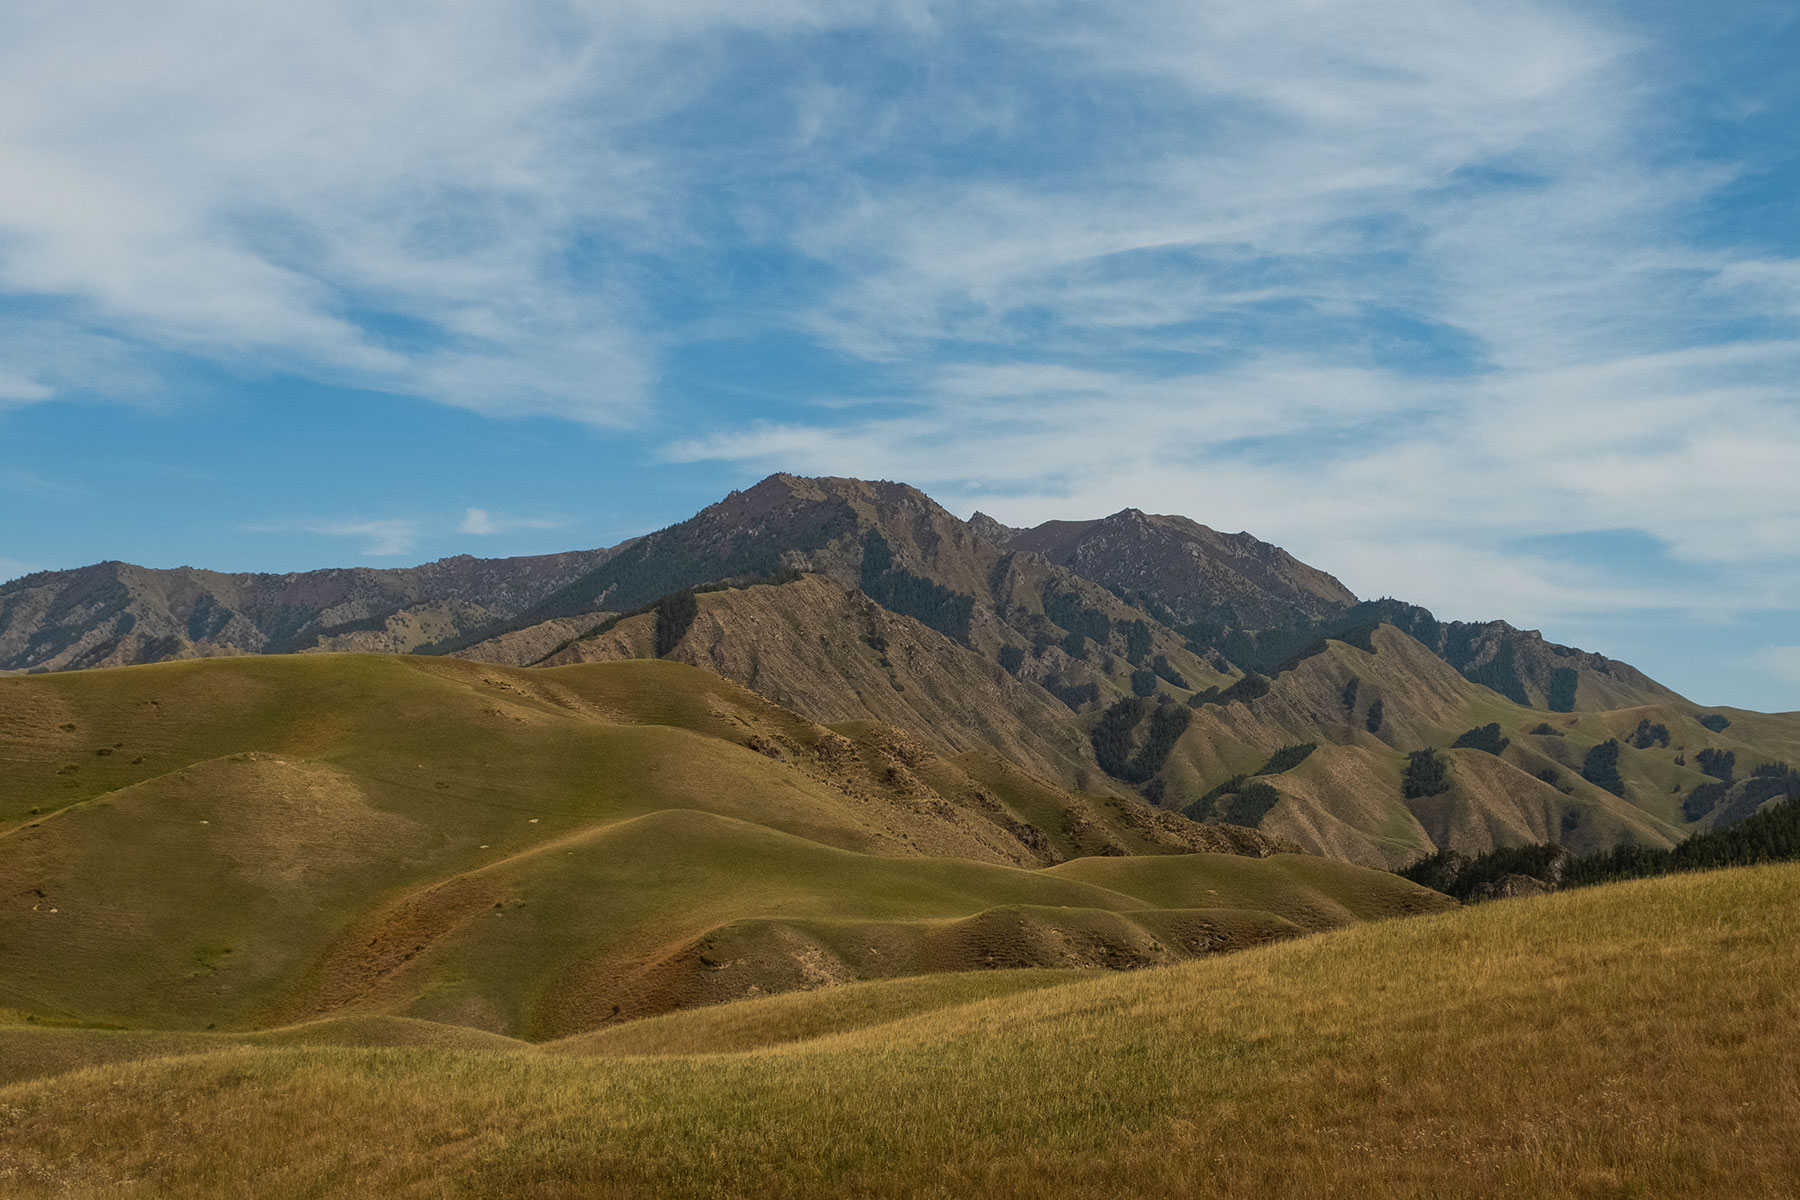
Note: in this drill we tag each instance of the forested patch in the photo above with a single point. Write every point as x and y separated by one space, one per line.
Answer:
1237 801
1167 672
1703 799
1376 714
1067 610
1483 737
1717 722
1137 639
1601 767
1427 774
1772 835
1647 735
1250 687
1287 758
899 590
1564 683
1720 764
675 615
1072 694
1113 742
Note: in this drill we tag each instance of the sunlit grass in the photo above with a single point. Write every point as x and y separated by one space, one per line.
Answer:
1633 1040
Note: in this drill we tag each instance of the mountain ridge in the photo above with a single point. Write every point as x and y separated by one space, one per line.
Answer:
1132 656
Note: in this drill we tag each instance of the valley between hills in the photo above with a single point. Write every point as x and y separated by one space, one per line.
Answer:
828 844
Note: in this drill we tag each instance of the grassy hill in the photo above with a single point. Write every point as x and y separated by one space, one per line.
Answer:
250 842
1628 1040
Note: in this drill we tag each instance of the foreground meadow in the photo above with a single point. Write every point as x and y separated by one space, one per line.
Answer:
1632 1040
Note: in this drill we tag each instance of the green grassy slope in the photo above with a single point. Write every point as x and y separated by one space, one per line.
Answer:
1620 1041
254 841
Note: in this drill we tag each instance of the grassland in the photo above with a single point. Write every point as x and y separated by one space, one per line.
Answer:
238 844
1632 1040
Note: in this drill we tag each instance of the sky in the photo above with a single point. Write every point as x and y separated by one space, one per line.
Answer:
1491 306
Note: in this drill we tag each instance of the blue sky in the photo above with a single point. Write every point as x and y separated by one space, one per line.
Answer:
1491 306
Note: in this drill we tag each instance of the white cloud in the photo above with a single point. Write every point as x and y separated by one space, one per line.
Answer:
12 568
481 522
382 538
1783 662
16 388
381 196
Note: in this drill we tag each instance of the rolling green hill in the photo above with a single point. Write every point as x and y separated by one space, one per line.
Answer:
1629 1040
250 842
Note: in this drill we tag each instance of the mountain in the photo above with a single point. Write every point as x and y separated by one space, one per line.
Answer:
252 841
1138 657
114 613
1188 572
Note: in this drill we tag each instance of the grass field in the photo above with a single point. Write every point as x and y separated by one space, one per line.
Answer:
236 844
1632 1040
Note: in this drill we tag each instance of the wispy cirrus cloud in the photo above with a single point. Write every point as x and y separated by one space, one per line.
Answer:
481 522
1783 662
383 537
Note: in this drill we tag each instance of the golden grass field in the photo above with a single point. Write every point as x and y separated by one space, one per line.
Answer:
1635 1040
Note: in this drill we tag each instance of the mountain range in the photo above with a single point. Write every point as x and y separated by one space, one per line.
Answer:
1136 657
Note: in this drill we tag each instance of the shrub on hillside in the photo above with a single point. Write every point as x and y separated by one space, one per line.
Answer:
1011 659
1143 683
1349 693
1647 735
1717 722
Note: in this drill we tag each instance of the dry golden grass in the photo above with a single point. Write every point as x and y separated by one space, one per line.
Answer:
1634 1040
